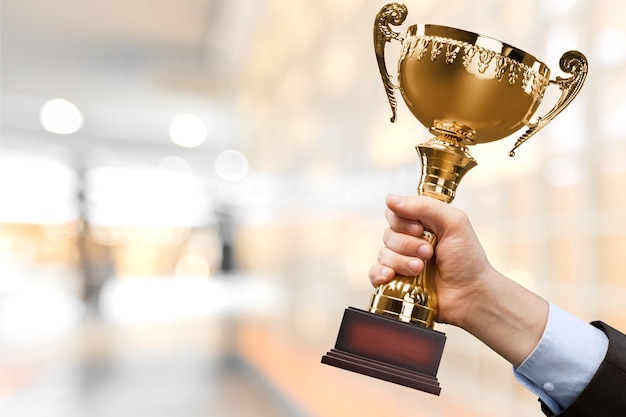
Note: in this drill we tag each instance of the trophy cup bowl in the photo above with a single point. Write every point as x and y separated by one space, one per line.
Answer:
473 87
466 89
469 85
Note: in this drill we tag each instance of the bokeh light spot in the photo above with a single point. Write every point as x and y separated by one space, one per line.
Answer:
231 166
187 130
61 117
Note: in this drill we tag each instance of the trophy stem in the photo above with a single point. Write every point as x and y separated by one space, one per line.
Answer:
445 160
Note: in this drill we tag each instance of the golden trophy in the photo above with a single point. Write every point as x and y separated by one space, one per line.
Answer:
467 89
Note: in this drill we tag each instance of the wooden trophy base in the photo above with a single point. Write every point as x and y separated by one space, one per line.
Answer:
388 349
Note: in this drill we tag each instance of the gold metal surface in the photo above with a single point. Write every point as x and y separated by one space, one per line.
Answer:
467 89
445 160
409 299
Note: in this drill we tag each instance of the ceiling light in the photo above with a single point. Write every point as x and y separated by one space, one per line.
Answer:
60 116
188 130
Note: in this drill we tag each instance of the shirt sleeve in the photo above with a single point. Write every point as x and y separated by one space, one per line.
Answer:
566 358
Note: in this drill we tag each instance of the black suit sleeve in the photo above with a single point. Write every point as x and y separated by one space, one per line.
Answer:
605 395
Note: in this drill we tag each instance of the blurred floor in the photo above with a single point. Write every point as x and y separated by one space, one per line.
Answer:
190 348
132 372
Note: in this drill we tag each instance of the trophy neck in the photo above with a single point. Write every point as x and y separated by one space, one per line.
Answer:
445 160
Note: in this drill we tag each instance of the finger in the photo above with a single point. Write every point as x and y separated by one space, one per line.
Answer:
406 245
381 274
403 265
432 213
402 225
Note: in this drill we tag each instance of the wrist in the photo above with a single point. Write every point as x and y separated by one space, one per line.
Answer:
507 317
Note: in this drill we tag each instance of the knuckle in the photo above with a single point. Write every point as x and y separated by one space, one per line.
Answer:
459 218
407 247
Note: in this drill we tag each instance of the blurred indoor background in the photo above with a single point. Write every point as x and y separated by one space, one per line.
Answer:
192 192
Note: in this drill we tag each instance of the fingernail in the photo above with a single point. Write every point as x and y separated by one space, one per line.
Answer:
395 199
424 252
414 230
383 276
385 273
415 265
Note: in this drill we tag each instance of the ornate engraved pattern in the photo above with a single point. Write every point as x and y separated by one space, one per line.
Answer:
422 45
451 52
435 49
470 51
500 67
513 72
527 79
484 59
504 68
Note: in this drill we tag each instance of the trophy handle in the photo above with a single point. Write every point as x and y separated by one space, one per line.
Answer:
389 14
572 62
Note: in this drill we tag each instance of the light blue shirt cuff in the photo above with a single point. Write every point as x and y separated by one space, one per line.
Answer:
566 358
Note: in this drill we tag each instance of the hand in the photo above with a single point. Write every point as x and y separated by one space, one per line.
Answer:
461 262
471 293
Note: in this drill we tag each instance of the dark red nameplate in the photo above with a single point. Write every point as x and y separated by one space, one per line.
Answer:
388 349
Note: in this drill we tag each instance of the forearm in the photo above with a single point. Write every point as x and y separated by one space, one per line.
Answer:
506 317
